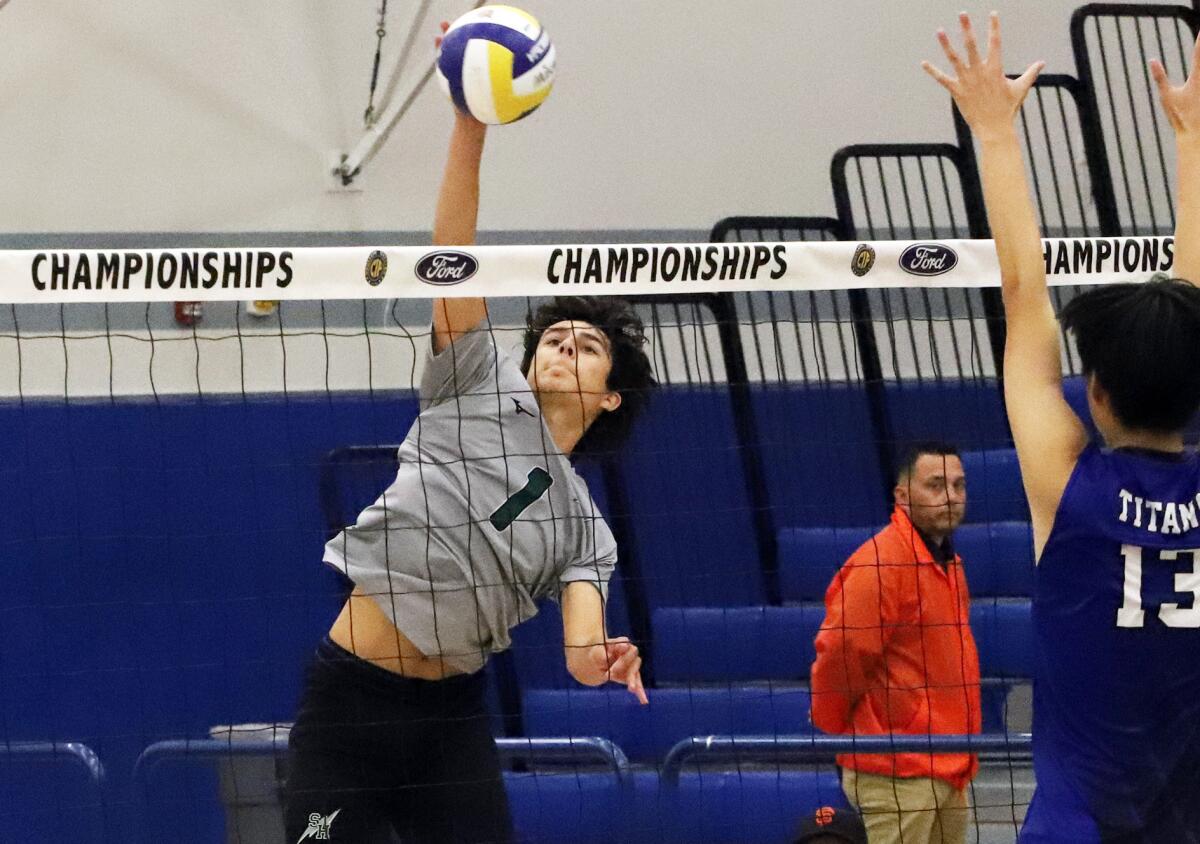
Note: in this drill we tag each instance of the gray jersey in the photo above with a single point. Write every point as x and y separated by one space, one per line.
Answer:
485 515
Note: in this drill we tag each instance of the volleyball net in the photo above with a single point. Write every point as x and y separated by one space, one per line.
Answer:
170 490
215 274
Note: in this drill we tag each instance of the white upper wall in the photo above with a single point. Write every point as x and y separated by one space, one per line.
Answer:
144 115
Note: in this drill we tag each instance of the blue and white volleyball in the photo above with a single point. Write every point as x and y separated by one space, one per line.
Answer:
496 63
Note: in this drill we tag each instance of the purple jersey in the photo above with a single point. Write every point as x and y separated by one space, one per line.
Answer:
1116 717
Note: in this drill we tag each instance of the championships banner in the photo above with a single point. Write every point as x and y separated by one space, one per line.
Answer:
127 275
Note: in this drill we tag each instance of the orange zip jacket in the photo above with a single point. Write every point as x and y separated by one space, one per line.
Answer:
895 654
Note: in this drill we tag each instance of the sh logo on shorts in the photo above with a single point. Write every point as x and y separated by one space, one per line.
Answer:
319 826
928 259
446 267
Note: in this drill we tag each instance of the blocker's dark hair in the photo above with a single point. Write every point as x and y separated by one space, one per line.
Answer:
631 374
1142 343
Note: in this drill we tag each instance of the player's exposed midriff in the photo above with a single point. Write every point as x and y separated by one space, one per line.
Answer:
362 629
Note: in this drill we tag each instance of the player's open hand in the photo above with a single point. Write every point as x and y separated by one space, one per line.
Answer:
620 660
987 98
437 41
1182 103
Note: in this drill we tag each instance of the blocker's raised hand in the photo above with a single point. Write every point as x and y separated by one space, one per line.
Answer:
986 97
1182 103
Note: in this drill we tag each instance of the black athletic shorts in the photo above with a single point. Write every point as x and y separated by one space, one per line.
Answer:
376 757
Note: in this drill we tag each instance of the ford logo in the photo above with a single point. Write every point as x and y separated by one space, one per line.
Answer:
928 259
446 267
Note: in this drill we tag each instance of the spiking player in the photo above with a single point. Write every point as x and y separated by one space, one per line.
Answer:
485 516
1116 718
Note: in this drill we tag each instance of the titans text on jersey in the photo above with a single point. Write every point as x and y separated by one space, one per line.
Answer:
1167 517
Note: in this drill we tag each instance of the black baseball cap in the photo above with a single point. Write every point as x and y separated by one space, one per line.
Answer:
839 824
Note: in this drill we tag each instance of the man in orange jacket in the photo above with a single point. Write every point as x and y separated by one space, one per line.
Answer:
895 655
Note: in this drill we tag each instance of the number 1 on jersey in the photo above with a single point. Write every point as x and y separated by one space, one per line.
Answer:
1131 613
517 503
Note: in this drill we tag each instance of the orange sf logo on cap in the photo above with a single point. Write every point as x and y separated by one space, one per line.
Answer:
825 816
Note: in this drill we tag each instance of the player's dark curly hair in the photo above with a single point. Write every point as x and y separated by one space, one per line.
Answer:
1142 343
631 374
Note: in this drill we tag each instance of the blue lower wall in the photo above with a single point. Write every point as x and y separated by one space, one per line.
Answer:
161 559
161 566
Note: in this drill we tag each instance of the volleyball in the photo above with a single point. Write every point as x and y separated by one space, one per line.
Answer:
496 63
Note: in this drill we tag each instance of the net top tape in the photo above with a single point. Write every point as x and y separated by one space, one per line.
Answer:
399 272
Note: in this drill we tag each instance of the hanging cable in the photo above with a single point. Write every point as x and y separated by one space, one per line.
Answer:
380 126
380 34
416 30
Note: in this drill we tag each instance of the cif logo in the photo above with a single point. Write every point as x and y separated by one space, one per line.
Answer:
446 267
864 259
376 268
928 259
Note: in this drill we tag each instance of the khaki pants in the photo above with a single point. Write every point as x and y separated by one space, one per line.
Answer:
908 811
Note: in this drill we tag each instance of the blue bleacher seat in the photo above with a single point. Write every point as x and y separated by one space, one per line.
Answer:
646 733
993 702
995 543
1003 632
537 648
742 644
809 558
994 491
685 488
997 557
50 799
746 806
967 411
820 463
589 808
737 644
351 479
1004 636
734 644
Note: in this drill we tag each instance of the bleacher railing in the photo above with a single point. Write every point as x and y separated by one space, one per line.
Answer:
804 749
1112 43
679 322
576 751
18 756
919 192
69 751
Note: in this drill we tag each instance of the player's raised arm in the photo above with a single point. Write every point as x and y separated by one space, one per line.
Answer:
1048 435
455 221
1182 105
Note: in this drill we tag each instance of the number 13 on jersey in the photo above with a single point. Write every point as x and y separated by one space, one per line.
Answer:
1131 613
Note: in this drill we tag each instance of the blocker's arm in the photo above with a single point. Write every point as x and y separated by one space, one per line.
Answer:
1048 435
1182 106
